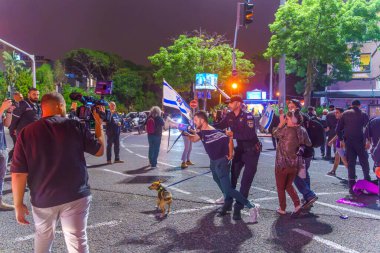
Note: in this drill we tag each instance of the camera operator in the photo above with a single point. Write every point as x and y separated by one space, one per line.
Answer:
113 128
49 156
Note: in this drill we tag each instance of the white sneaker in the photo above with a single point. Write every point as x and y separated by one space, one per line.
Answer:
254 213
219 201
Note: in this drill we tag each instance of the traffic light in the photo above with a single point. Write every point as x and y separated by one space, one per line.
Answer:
248 13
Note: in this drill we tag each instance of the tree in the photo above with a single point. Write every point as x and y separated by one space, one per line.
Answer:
45 79
317 33
87 63
13 67
3 87
59 73
24 81
191 54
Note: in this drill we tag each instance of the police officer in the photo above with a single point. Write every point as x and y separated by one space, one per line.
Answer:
28 111
247 151
113 129
350 129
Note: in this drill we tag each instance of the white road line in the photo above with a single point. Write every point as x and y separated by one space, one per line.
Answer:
170 165
264 190
130 151
97 225
263 199
329 193
193 209
207 199
267 154
118 173
179 190
324 241
349 210
142 156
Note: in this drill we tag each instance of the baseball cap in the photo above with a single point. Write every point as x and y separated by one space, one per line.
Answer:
234 99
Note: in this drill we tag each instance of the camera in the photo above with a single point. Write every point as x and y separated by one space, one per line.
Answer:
301 150
90 103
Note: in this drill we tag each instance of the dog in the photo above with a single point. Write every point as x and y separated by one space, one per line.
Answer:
164 197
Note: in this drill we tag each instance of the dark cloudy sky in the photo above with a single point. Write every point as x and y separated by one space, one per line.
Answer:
133 29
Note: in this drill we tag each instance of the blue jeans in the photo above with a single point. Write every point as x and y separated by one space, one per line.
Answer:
187 150
220 169
154 148
303 185
3 169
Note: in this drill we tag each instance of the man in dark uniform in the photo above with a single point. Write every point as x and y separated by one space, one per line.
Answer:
247 151
350 129
372 134
17 98
113 129
331 123
28 111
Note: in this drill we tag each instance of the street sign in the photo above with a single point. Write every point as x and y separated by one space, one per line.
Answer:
193 104
234 72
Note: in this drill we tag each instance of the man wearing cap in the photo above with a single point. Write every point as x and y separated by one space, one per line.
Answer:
247 151
350 130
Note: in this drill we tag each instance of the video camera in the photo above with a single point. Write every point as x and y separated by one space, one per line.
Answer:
84 112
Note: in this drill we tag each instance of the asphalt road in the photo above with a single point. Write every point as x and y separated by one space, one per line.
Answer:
123 216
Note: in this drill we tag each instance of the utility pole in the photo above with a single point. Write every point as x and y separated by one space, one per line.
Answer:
237 26
271 79
282 76
27 54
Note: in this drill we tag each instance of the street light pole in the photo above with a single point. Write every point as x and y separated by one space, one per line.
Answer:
237 26
282 75
27 54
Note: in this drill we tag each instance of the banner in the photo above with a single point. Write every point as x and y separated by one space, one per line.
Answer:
172 99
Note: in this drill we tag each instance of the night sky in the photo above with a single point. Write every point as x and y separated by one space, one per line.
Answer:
133 29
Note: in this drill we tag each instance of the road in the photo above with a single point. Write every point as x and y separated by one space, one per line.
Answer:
123 216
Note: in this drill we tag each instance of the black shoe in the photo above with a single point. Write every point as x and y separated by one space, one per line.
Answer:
237 214
309 202
222 211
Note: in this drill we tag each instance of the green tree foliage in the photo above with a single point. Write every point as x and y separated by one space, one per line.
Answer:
317 33
87 63
128 90
45 79
24 81
189 54
13 67
59 73
3 87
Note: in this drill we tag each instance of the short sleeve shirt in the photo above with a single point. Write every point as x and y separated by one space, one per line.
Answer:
51 152
215 143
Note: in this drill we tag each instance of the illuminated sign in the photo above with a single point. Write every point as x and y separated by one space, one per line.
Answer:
206 81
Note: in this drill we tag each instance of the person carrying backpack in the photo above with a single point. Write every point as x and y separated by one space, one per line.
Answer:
153 127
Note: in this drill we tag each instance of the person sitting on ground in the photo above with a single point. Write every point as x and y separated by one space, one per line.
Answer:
219 148
292 136
340 153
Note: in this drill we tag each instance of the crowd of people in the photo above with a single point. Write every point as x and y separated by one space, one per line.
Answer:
49 148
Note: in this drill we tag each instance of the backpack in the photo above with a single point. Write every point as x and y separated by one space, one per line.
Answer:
316 132
150 126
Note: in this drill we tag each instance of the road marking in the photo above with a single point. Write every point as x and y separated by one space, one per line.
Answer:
142 156
97 225
118 173
267 154
207 199
324 241
263 199
193 209
349 210
264 190
329 193
130 151
179 190
170 165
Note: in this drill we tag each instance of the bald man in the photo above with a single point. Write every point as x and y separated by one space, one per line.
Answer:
49 156
113 129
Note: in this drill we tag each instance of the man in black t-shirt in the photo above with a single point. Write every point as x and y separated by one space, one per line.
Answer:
49 156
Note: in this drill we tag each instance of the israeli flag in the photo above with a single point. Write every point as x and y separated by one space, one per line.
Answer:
267 118
172 99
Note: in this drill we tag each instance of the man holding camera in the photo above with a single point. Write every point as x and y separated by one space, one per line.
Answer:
113 129
49 156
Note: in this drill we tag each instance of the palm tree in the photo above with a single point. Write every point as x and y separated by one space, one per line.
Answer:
13 66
